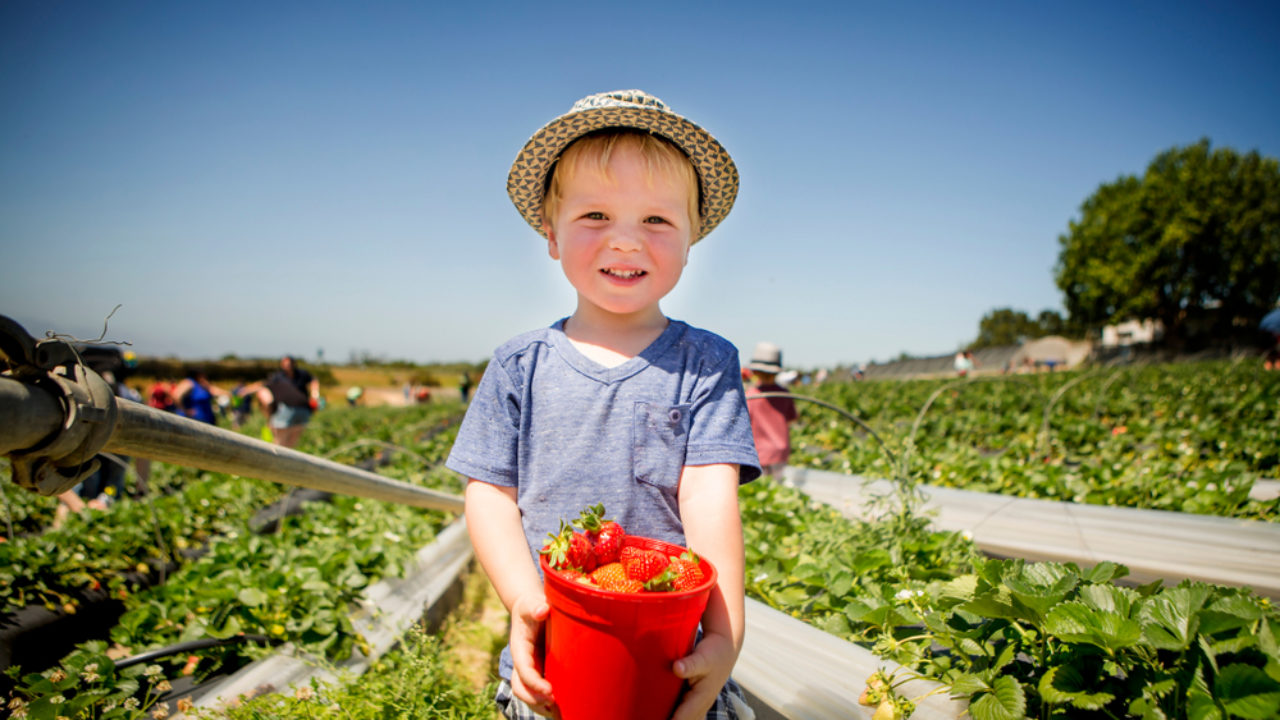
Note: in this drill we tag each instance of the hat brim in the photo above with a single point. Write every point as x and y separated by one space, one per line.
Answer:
764 367
717 175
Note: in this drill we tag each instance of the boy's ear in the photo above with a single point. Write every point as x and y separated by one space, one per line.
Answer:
552 248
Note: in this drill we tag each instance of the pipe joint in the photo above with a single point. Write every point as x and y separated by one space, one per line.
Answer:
67 456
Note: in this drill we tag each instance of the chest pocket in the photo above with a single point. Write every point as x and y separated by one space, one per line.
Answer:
660 434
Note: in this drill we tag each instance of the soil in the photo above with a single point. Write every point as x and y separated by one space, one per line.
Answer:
477 631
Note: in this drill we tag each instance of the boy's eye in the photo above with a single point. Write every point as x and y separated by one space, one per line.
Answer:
655 220
594 216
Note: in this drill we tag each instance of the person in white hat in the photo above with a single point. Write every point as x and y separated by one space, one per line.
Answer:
771 417
617 403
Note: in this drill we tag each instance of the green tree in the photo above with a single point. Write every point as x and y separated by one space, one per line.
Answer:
1006 326
1193 243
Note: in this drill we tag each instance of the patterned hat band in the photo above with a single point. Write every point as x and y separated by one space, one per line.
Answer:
717 175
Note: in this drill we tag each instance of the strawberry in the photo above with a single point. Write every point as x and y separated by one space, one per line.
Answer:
614 577
642 564
573 574
568 549
686 571
606 535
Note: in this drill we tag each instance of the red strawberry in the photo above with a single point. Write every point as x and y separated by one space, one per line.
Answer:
642 564
686 571
606 535
614 577
568 549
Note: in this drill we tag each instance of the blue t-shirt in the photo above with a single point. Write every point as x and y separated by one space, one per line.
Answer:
567 432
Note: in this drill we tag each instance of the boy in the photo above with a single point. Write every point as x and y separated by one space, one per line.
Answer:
771 418
615 404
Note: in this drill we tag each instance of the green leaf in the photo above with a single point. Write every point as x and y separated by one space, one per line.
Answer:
253 597
1064 684
1247 692
968 684
961 588
841 583
1229 613
1104 572
1075 622
1169 620
1007 701
1200 706
872 559
1109 598
994 603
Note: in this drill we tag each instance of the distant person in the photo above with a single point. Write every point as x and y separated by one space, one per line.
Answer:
464 386
194 396
288 397
354 393
160 396
964 363
241 405
771 418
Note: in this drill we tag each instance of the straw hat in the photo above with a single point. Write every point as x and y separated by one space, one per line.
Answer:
717 175
766 358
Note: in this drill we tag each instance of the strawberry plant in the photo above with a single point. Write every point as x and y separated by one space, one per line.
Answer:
1193 437
1016 639
294 585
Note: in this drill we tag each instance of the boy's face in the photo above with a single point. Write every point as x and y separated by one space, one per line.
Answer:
622 239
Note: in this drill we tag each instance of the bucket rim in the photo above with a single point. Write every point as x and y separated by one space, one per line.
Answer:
565 585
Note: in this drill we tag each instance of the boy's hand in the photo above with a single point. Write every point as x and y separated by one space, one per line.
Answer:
528 613
707 670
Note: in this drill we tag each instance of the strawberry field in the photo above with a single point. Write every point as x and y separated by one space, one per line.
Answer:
1191 437
224 568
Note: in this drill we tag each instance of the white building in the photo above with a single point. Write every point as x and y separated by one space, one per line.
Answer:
1132 332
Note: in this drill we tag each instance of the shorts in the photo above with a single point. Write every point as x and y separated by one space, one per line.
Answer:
730 705
287 416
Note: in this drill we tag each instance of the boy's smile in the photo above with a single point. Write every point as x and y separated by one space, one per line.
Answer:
622 236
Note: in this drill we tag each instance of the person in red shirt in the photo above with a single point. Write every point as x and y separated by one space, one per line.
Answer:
771 418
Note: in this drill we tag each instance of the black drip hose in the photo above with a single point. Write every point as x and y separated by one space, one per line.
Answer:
190 646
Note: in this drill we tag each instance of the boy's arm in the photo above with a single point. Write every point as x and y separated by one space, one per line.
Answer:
708 499
497 535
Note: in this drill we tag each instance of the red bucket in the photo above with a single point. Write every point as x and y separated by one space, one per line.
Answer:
611 654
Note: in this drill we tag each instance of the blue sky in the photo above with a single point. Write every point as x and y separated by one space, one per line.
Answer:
269 177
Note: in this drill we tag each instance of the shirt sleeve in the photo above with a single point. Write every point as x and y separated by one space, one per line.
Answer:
721 427
487 445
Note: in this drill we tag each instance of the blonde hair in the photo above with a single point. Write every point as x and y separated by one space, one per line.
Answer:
594 150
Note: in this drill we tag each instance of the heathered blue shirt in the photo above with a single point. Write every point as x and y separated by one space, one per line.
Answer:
567 432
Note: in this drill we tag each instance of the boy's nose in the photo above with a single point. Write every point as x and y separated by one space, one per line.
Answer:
625 239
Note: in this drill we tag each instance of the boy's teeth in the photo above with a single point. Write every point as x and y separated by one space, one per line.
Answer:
624 273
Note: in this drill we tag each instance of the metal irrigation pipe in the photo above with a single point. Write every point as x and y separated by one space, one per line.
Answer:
29 416
848 415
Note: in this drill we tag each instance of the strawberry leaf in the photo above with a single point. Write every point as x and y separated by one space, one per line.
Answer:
1006 701
1247 692
1064 684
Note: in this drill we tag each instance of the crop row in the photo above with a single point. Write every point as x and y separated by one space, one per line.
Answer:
1041 640
295 584
1193 437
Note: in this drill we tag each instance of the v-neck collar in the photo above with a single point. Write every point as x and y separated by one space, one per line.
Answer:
592 369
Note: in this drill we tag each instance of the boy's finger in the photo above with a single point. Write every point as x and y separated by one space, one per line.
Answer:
696 703
690 667
532 689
